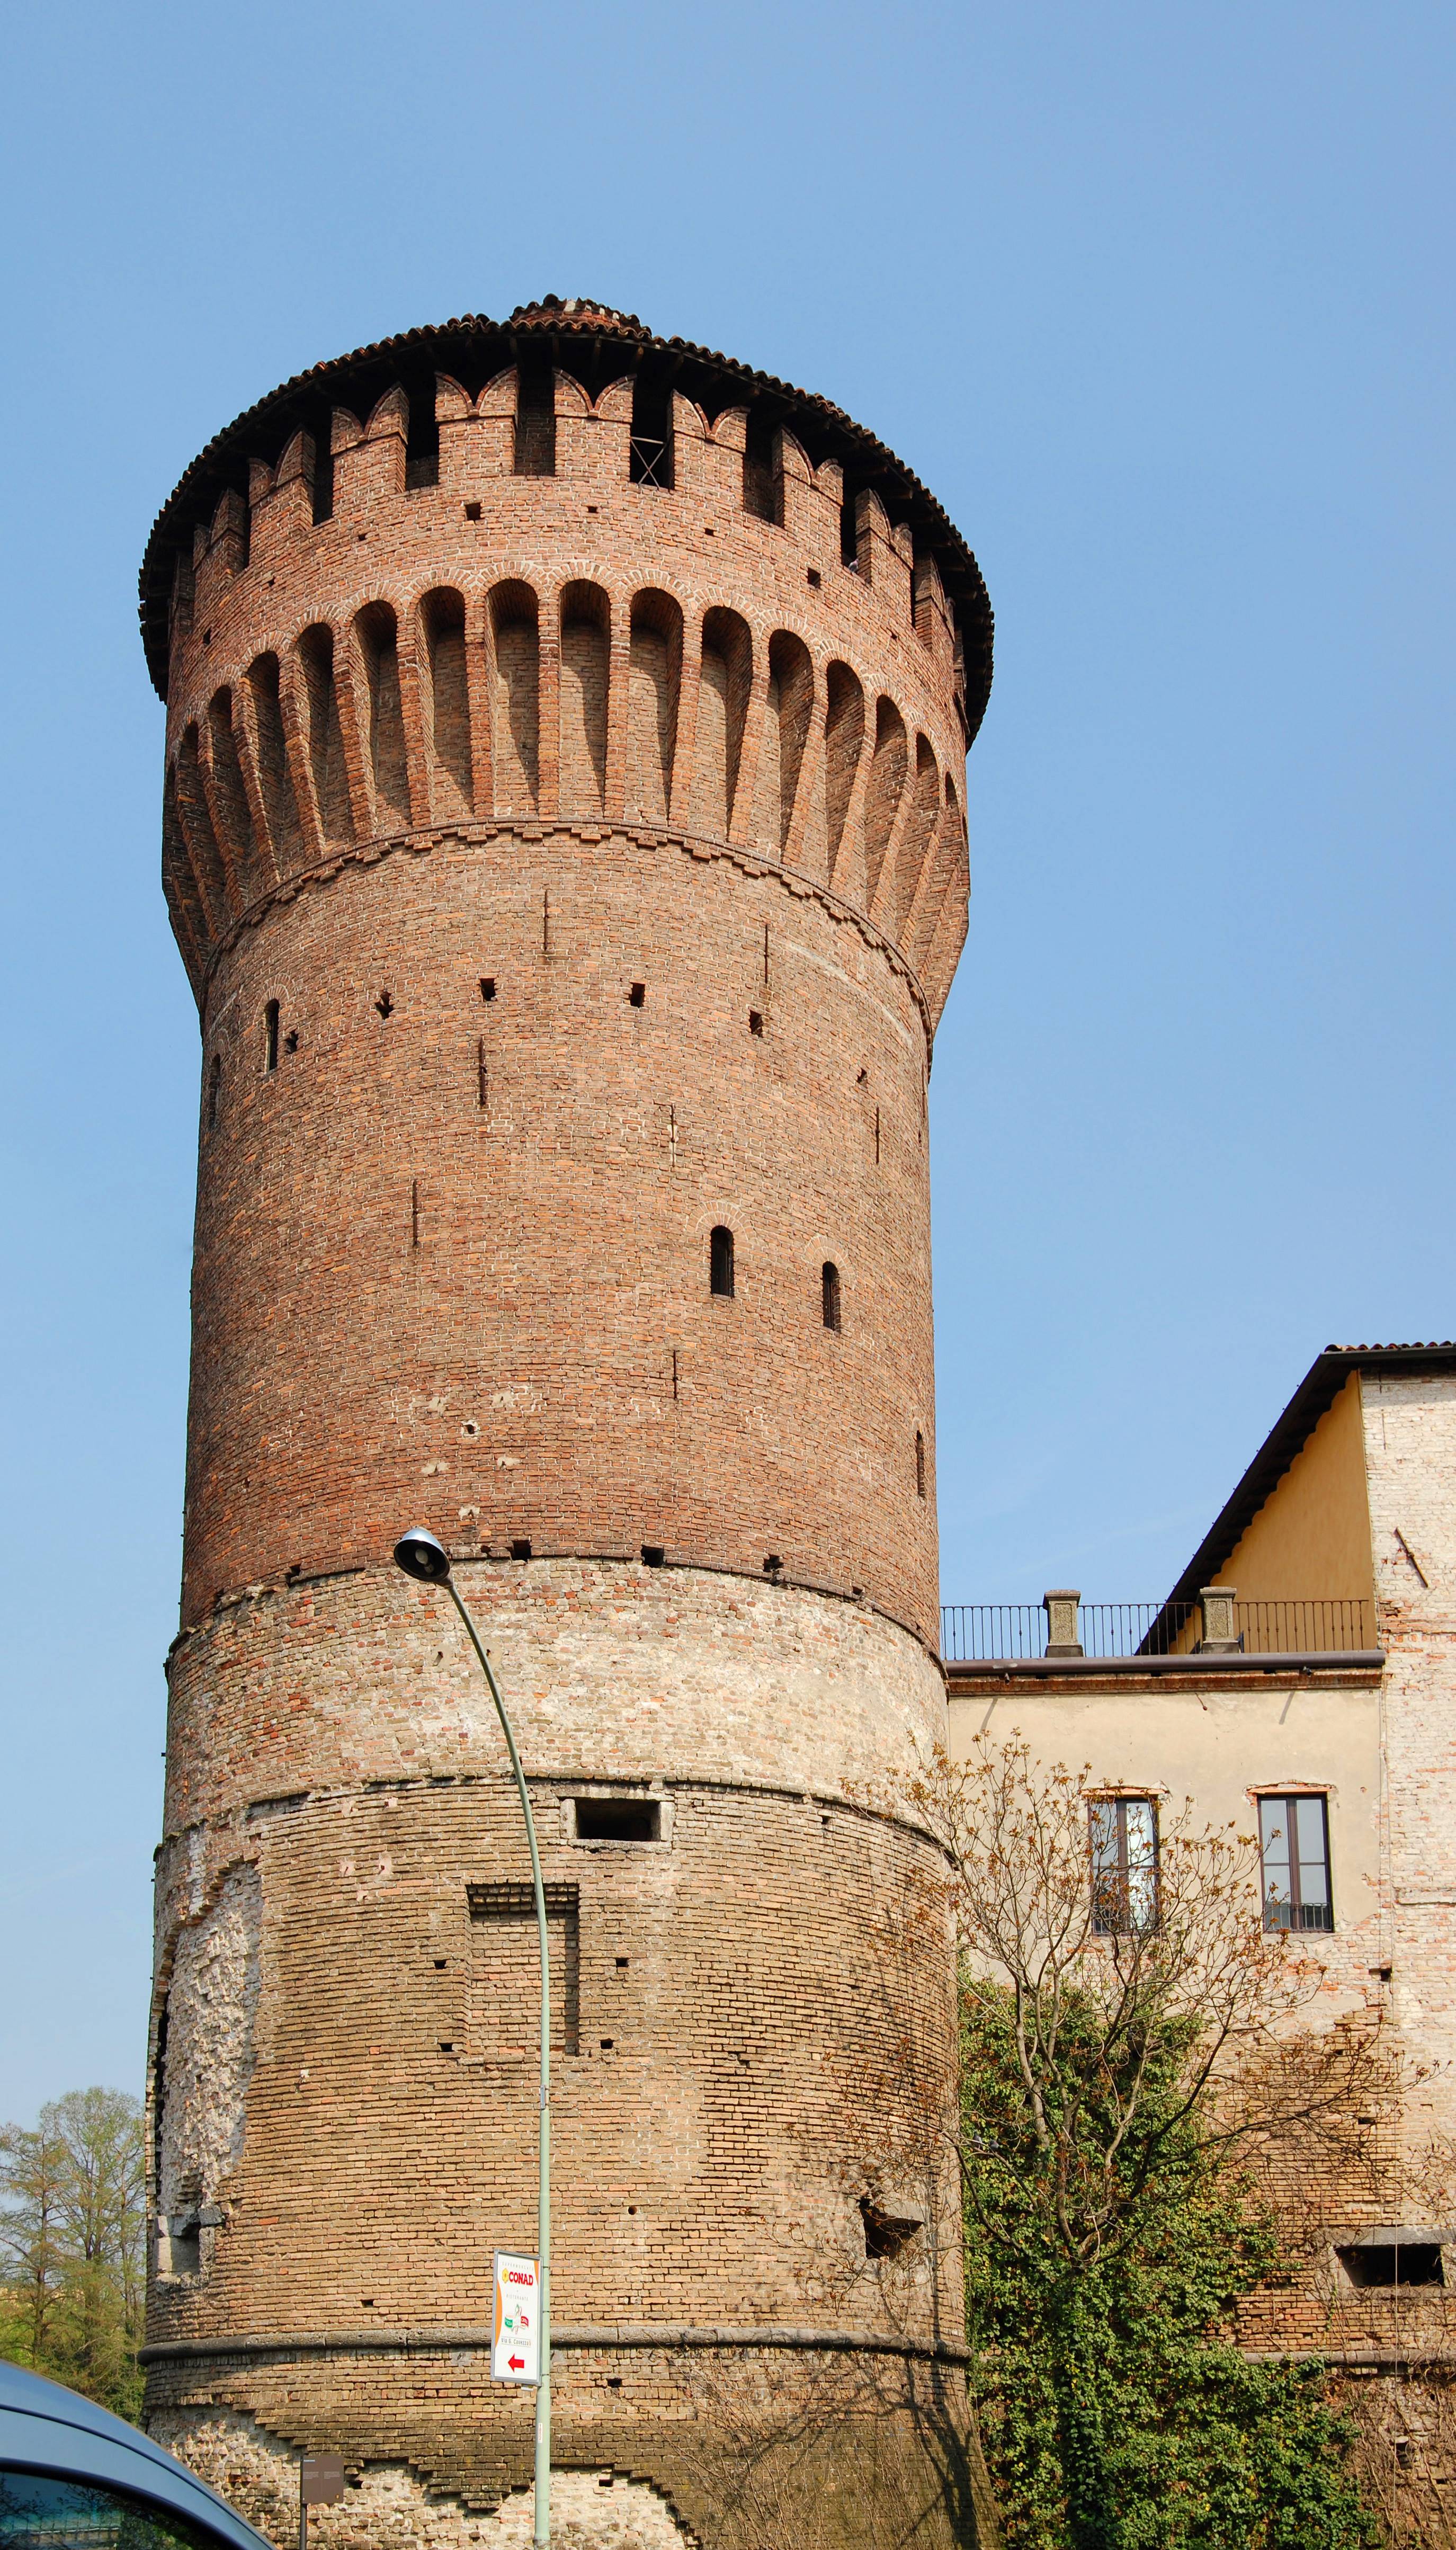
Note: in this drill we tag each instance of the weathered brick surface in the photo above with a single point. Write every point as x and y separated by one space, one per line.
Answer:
450 773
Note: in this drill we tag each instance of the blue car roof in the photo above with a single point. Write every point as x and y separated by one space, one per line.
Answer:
46 2427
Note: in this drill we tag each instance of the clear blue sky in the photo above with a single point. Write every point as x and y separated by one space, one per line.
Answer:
1158 300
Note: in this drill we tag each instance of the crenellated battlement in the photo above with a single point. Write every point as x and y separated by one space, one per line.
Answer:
553 616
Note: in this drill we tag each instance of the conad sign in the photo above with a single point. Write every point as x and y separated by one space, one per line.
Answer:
516 2350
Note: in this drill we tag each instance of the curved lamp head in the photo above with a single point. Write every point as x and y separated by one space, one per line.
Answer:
421 1555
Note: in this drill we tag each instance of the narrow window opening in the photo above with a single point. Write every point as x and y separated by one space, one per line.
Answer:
385 1005
214 1091
487 987
830 1290
1124 1836
545 921
270 1036
765 955
674 1372
755 1023
473 513
814 578
651 434
721 1261
322 480
920 1458
1294 1850
535 419
877 1138
617 1819
519 1549
482 1074
413 1213
638 995
848 531
422 441
760 490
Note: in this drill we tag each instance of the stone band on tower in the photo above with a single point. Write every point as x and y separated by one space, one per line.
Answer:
564 835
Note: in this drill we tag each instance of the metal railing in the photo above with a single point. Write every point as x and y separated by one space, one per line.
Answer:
1015 1633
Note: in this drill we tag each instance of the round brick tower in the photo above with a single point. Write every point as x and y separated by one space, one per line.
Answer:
564 836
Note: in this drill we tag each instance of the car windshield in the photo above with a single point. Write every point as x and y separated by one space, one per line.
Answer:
39 2512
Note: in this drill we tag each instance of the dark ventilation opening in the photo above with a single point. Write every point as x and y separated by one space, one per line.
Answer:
755 1023
1374 2264
638 995
920 1463
760 486
618 1820
487 987
385 1005
519 1549
536 418
651 434
831 1295
653 1554
721 1261
270 1036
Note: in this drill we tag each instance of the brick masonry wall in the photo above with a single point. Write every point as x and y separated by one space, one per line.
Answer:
566 869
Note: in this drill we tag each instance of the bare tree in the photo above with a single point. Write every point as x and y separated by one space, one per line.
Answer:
1146 2003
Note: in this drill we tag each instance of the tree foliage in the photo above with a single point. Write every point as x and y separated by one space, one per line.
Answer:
73 2232
1125 2070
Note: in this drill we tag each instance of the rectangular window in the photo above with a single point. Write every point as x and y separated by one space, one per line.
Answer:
1124 1866
506 1972
1294 1848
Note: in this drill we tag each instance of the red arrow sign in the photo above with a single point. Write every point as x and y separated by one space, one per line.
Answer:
517 2363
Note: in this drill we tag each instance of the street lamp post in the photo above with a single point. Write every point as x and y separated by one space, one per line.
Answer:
421 1556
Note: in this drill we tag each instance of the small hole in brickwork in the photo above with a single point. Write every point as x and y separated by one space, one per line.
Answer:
814 578
469 1428
440 1965
773 1564
613 2382
487 987
622 1965
638 995
605 2481
385 1005
207 637
364 536
593 509
607 2043
631 2209
885 2233
366 2302
863 1077
519 1549
652 1556
447 2045
755 1023
473 513
708 530
290 1041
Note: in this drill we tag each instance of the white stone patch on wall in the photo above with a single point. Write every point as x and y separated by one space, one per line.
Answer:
389 2508
212 2005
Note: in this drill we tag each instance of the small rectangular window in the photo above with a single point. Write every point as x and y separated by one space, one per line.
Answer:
1124 1866
270 1036
618 1818
1294 1848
